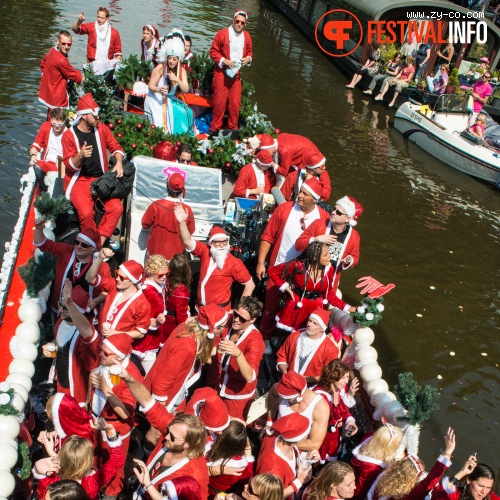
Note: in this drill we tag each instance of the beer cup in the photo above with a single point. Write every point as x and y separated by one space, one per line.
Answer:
114 373
52 348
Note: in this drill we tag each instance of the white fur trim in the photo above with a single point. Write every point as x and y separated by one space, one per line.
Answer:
160 398
222 236
364 458
114 349
87 239
284 286
447 486
348 206
148 407
129 276
241 13
170 490
321 162
316 196
319 320
55 415
275 145
115 444
224 318
40 244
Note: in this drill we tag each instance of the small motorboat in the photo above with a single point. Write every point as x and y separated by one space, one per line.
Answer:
442 132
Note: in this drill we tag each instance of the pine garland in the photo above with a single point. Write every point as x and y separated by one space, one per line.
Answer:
201 72
26 467
418 402
369 312
49 208
103 95
36 275
8 409
132 70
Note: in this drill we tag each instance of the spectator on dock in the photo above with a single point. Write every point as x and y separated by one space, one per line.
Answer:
150 43
255 178
401 80
104 41
421 58
231 49
392 69
371 66
56 71
481 92
438 84
49 141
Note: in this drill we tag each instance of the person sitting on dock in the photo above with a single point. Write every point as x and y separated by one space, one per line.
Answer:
48 140
370 67
478 128
255 178
392 69
159 218
230 50
219 269
437 85
84 154
314 167
401 80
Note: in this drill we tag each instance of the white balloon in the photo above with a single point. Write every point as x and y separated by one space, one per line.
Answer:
390 409
18 402
21 390
4 399
366 354
23 350
399 413
28 331
382 398
4 386
8 456
49 234
30 311
376 386
9 427
20 378
7 483
337 315
371 371
364 336
22 366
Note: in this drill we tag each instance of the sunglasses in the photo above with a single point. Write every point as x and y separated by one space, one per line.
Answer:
220 243
302 224
57 124
103 9
69 44
120 276
171 436
63 307
80 243
240 317
487 77
338 212
183 160
107 354
243 23
251 491
162 275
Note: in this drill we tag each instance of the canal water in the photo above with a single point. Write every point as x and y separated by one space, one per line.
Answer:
432 231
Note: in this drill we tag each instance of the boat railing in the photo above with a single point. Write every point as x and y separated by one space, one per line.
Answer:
451 104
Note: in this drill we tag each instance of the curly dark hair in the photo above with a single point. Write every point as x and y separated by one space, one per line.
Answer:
332 372
310 259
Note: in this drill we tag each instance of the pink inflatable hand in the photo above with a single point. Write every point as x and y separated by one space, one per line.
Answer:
381 291
370 284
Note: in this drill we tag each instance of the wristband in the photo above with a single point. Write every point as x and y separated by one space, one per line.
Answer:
239 354
33 154
146 487
453 480
113 438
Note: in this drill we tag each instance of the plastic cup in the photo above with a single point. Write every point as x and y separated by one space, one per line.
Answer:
114 373
52 348
106 326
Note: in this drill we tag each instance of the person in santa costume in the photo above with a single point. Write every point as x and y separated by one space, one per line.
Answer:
288 222
307 284
314 166
375 453
336 481
289 152
306 351
218 268
338 233
279 454
159 219
126 309
56 71
291 395
115 403
73 262
233 371
188 54
231 49
77 345
84 154
181 488
332 387
187 349
255 178
150 43
144 350
180 449
46 149
104 41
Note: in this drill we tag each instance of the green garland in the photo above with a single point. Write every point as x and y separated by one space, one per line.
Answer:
49 208
8 409
37 274
26 466
201 72
369 313
418 402
131 70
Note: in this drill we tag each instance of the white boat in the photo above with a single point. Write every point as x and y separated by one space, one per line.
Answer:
441 132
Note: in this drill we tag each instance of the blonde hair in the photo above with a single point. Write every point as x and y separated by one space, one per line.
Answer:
76 458
446 67
409 60
48 406
398 480
204 353
268 486
383 444
482 118
331 475
155 264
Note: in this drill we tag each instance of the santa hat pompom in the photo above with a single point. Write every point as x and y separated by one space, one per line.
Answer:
299 304
211 336
325 302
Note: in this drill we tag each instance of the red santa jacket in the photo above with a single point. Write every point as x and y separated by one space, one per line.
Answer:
164 238
83 358
214 286
321 355
221 49
350 247
44 140
115 44
67 264
71 147
290 189
230 483
292 151
56 71
274 230
179 355
230 381
197 468
177 307
247 180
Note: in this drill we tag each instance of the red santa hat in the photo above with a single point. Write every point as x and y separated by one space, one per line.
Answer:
80 298
315 160
176 183
243 13
87 105
120 344
132 270
217 233
352 208
322 316
292 428
91 236
314 186
207 405
210 317
182 488
69 418
153 30
264 158
292 385
267 142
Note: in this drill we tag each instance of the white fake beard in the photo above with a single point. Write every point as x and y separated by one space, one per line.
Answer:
64 333
305 345
219 255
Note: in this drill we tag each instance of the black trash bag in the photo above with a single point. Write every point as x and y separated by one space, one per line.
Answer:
109 186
